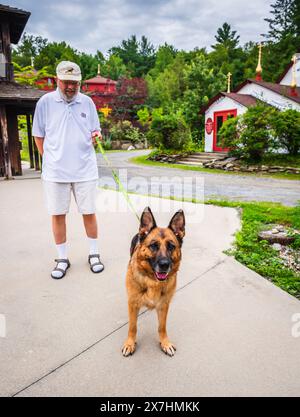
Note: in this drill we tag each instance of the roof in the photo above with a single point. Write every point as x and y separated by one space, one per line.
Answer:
285 72
283 90
13 91
289 66
100 80
244 99
17 20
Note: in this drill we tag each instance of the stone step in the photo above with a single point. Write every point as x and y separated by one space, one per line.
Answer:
203 158
214 154
184 162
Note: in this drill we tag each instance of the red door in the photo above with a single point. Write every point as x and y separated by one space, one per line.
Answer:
219 119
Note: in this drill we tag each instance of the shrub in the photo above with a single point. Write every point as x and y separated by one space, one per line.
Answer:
169 131
124 130
286 125
250 135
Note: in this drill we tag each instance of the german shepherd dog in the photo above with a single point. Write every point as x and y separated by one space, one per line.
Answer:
155 256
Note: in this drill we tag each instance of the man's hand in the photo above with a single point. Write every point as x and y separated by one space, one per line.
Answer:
95 134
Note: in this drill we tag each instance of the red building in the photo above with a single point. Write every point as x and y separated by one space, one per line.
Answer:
46 83
101 90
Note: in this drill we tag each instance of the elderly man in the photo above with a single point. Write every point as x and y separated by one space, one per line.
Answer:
65 125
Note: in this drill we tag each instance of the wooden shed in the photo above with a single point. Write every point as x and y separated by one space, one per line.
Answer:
15 99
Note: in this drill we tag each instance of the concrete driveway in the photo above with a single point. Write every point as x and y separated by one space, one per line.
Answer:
227 186
232 328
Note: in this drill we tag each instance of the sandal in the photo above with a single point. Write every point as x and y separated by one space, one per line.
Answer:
66 261
96 255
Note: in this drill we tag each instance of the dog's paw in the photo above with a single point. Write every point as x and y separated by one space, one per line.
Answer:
168 348
128 348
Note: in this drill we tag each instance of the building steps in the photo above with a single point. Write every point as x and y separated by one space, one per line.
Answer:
197 159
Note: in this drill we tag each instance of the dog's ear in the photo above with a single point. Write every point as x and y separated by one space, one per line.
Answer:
147 223
177 225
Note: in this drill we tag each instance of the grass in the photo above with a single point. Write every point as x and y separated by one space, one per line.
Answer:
144 161
259 255
24 151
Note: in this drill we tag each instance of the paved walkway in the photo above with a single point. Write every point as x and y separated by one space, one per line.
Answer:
232 328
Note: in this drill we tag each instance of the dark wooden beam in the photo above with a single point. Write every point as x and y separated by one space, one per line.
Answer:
4 134
14 144
6 48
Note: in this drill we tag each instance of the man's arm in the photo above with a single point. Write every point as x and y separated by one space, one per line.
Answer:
39 144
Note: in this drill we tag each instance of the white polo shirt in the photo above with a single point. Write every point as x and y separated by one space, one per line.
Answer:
69 155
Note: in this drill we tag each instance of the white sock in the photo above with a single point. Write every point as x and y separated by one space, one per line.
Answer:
93 244
62 254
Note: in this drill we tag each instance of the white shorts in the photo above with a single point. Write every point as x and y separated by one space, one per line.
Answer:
58 196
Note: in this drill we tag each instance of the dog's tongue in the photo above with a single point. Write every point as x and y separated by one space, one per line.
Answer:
161 275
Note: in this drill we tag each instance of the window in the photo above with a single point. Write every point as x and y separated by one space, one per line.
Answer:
2 65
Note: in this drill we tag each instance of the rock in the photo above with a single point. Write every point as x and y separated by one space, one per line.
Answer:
277 246
229 165
130 148
231 159
125 146
139 145
115 144
280 237
274 231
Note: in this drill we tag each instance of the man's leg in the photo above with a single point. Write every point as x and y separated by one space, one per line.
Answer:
91 228
60 237
90 224
57 198
59 228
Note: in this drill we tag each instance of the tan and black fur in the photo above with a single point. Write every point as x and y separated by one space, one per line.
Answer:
155 257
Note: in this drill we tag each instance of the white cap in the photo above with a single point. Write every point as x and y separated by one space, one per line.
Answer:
67 70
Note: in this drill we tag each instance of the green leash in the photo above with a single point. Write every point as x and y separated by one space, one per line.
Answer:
116 178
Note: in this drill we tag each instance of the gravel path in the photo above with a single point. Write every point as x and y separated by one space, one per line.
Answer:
144 179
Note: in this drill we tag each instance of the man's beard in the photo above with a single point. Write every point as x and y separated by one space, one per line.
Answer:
65 97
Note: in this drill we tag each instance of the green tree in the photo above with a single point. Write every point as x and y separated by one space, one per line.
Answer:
226 37
138 56
281 23
114 68
164 56
202 82
88 65
227 56
29 47
283 38
28 75
169 85
53 53
296 17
